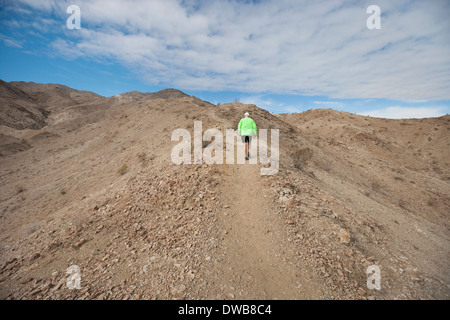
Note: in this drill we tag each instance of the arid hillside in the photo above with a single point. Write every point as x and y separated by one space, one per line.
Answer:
405 161
88 181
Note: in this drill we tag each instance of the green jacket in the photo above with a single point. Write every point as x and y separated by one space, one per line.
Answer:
247 127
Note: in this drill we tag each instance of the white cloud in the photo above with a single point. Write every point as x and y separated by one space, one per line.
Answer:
271 105
260 100
10 42
396 112
329 104
282 46
45 5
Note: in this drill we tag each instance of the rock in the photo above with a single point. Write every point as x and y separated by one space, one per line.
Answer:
26 280
11 261
292 202
344 236
35 291
178 289
59 285
80 243
361 291
35 256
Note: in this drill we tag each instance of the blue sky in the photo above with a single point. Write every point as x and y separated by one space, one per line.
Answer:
283 55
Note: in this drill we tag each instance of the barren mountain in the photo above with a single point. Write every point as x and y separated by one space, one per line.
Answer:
19 110
89 181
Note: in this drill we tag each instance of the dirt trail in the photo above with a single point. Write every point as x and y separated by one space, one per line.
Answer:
259 263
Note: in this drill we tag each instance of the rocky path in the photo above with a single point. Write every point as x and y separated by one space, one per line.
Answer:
258 263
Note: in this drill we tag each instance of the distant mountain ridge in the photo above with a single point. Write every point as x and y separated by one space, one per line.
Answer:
26 105
169 93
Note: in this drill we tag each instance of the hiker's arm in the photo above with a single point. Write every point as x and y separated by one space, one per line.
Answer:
254 128
240 127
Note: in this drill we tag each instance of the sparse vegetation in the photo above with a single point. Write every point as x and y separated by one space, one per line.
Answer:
376 186
143 160
123 170
301 157
431 202
322 164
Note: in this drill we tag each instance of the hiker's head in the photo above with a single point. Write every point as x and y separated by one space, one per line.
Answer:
246 114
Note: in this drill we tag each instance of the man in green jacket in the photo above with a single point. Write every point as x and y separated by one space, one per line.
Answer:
247 129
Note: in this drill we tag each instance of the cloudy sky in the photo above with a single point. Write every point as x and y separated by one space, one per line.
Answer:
282 55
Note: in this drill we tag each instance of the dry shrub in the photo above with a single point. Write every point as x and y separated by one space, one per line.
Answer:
376 186
432 202
20 189
123 170
301 157
322 164
143 159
